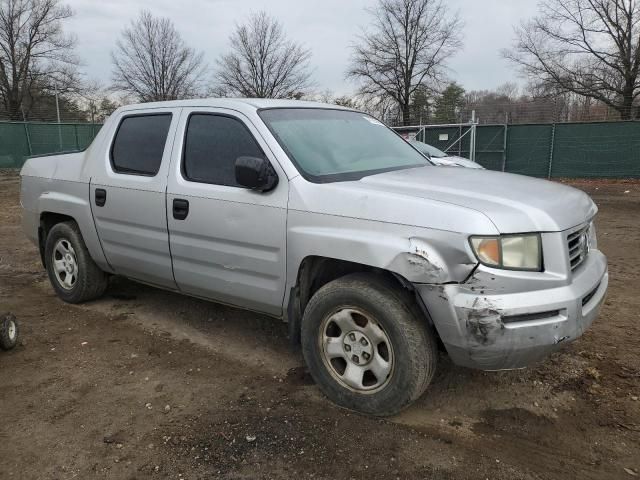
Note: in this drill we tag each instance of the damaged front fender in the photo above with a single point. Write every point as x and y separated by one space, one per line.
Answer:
422 263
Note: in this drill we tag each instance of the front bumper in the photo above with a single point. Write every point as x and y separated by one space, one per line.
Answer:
489 330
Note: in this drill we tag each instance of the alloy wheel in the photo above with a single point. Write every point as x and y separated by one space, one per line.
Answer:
356 350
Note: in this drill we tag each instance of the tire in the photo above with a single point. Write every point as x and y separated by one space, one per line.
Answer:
9 331
394 363
81 280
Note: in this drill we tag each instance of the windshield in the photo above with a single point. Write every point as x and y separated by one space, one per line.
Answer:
427 149
335 145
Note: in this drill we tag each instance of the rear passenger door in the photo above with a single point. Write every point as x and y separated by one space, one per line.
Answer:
227 242
128 195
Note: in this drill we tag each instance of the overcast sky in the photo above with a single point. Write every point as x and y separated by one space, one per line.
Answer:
327 27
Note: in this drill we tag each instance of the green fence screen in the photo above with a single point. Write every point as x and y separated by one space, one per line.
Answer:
564 150
529 149
597 150
19 141
569 150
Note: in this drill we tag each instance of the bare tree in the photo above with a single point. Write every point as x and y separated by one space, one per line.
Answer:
34 52
96 102
263 63
382 107
407 47
348 101
587 47
152 62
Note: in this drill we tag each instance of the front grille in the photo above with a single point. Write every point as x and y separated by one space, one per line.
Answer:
578 247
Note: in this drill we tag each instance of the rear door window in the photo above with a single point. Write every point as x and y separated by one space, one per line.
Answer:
139 144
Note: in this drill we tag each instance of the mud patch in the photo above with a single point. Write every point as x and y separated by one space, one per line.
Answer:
289 441
513 421
299 376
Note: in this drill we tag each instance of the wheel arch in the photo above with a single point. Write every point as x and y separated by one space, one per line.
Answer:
70 202
47 221
316 271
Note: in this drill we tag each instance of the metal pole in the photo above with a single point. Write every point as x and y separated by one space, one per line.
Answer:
26 133
551 149
472 139
58 116
504 146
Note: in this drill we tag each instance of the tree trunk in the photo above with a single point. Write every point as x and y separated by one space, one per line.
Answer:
13 110
406 114
626 110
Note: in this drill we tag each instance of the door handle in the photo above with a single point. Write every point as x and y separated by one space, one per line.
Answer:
180 208
100 197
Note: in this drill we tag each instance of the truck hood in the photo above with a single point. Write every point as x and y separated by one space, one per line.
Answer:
513 203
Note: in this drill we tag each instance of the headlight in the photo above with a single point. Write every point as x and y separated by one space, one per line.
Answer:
511 252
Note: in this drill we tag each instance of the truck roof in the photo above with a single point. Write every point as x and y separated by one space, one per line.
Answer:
241 104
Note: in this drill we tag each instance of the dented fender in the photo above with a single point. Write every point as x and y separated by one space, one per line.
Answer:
420 263
417 255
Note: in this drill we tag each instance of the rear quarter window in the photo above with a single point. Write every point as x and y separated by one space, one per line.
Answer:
139 144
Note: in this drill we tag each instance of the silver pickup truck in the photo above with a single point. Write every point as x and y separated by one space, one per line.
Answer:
325 218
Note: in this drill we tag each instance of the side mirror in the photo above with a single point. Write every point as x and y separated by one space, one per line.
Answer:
256 174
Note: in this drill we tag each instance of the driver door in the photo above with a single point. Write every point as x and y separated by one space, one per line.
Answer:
227 242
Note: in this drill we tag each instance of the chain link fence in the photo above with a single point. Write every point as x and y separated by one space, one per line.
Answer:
490 109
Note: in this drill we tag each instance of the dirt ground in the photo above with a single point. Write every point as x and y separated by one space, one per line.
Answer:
148 384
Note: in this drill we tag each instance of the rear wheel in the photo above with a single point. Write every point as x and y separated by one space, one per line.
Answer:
73 274
366 346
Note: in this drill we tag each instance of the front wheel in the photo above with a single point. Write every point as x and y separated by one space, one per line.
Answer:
365 345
